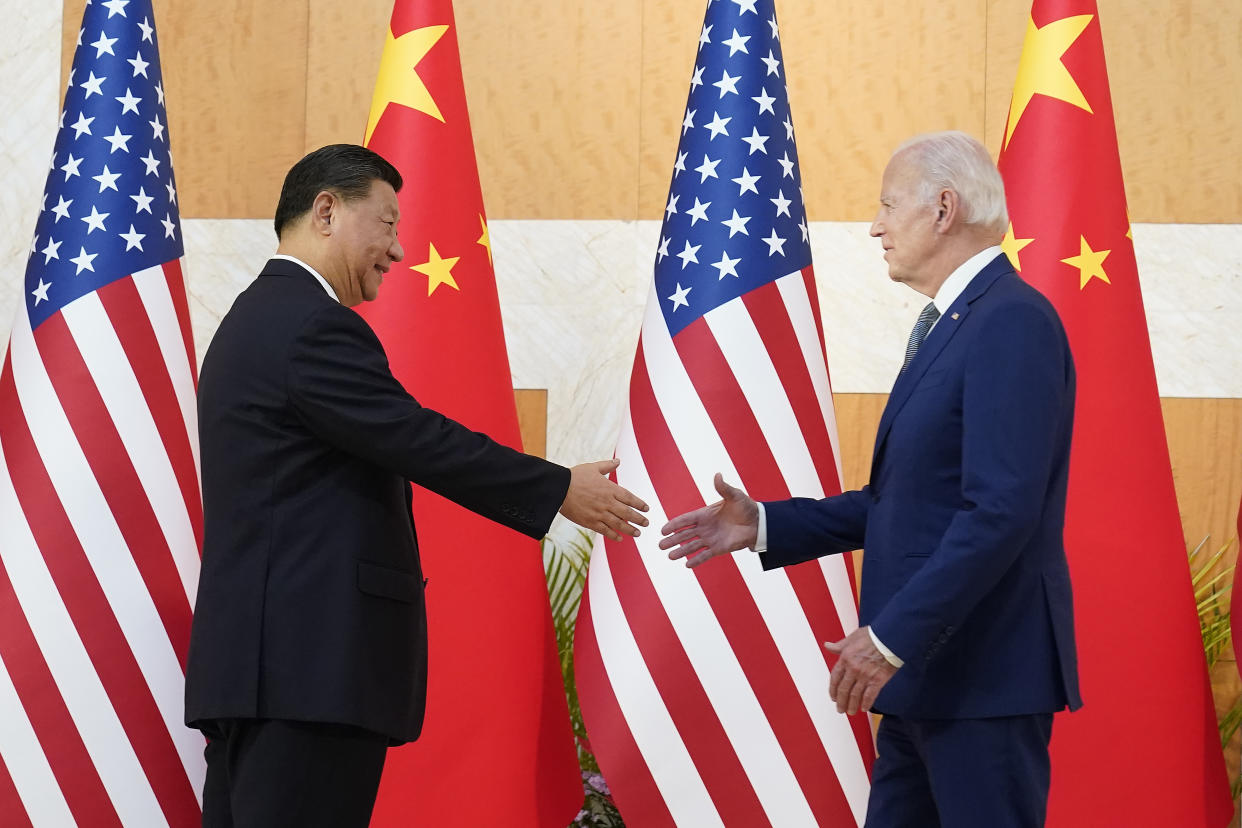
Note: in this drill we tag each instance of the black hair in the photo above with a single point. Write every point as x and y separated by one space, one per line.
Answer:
346 170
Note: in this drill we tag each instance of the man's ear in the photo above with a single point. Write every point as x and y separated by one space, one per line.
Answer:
948 210
321 212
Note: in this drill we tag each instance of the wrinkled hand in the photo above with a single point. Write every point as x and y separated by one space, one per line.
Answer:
860 674
595 502
727 525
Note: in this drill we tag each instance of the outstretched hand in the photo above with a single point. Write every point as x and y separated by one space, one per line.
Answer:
727 525
595 502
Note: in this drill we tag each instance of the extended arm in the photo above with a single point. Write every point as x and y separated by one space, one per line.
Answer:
342 388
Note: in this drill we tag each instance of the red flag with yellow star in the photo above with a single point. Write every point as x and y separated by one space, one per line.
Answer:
497 737
1144 751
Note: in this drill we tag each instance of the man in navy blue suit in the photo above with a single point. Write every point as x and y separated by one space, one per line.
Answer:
966 643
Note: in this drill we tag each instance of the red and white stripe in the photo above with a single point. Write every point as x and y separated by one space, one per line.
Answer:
100 531
706 691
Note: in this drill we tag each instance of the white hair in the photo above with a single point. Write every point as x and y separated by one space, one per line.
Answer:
956 161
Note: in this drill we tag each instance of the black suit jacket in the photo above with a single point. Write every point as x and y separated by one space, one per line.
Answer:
310 602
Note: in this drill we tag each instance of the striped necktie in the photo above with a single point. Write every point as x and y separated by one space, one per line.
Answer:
925 321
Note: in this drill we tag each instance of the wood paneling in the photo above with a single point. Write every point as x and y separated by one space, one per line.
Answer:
866 76
345 40
1205 444
575 106
532 414
235 80
1174 72
554 105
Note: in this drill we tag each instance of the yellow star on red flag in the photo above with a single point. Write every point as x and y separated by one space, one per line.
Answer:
1041 72
398 82
438 270
486 238
1013 246
1090 263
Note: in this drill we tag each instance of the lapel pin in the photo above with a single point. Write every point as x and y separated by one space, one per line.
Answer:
954 317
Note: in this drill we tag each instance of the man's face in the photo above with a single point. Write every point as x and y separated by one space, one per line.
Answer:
366 239
904 224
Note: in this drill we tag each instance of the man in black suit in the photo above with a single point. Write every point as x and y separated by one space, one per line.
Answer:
308 654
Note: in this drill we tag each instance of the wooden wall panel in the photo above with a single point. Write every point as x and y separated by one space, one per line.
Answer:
1205 444
866 76
1174 72
532 414
235 78
345 40
553 92
575 106
670 38
861 80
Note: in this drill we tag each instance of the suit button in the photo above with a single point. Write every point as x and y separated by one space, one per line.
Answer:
875 497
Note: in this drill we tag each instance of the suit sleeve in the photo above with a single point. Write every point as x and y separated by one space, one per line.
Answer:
1015 401
341 387
801 528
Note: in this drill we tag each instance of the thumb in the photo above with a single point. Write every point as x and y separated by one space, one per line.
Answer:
607 466
835 647
723 488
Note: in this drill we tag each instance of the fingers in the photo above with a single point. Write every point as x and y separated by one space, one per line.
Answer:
633 501
607 467
627 497
868 699
725 490
628 515
854 700
702 558
670 540
687 549
835 647
836 676
688 520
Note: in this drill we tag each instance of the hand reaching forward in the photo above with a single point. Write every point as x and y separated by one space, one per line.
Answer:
860 674
727 525
595 502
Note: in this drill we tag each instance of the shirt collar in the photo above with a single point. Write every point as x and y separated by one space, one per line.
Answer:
960 278
312 272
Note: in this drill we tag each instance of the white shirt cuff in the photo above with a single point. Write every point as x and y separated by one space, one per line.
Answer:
761 536
888 654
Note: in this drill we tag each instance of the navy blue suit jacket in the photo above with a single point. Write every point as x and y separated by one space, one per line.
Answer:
964 569
310 602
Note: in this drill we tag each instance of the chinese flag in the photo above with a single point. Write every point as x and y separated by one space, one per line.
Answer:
1144 751
497 738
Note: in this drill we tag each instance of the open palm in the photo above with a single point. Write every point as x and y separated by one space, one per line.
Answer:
727 525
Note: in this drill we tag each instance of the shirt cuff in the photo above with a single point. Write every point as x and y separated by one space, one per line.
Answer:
888 654
761 535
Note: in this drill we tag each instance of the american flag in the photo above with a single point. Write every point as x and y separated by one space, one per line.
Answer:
100 511
705 692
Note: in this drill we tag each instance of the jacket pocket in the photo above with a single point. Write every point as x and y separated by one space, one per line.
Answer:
386 582
931 379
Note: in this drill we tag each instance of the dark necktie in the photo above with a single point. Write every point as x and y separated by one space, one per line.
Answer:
925 321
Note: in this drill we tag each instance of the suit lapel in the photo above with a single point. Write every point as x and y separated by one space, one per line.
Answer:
940 335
